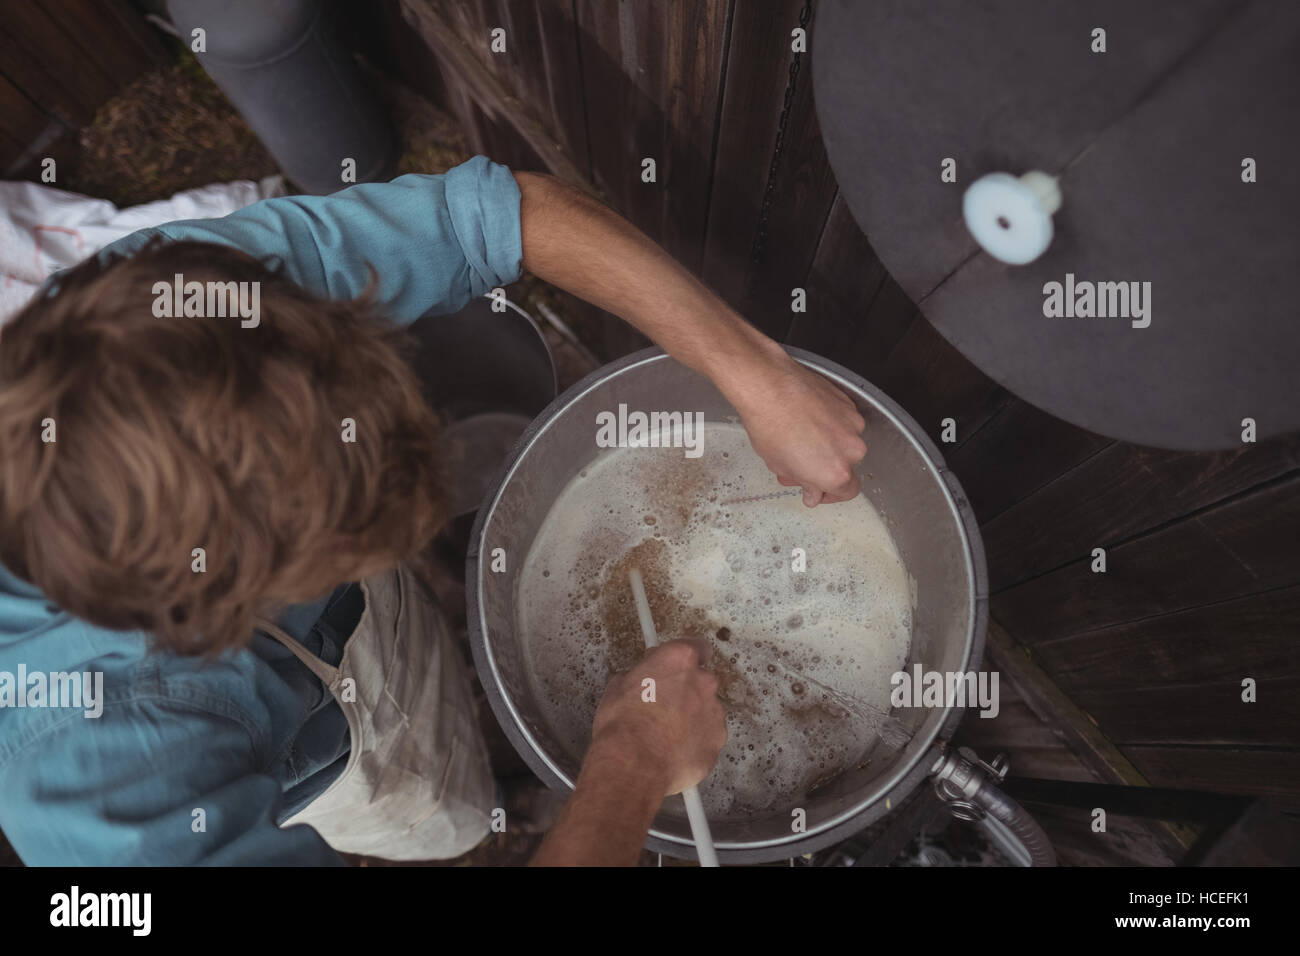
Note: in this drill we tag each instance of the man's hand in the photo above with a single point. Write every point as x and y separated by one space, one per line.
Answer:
682 730
641 751
804 428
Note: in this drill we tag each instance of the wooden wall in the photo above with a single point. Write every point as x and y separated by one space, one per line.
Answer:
1202 587
60 60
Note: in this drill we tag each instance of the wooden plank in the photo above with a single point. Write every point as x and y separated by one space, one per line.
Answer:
1242 547
56 142
465 75
695 53
856 312
1119 492
1250 636
1095 758
652 73
550 71
501 142
842 284
653 76
805 191
1208 714
31 27
11 151
21 120
144 37
1094 750
1032 745
96 35
758 70
382 34
933 381
1271 773
43 84
889 317
622 69
1020 450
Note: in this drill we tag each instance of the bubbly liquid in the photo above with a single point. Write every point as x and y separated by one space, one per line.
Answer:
803 657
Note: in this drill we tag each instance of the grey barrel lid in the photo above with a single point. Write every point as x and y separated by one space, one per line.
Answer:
1148 140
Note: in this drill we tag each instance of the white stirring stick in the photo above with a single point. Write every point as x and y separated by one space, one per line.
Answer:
694 805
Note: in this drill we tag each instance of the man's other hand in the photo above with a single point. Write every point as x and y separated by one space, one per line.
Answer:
675 725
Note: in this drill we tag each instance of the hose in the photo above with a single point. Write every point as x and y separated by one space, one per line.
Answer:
1016 819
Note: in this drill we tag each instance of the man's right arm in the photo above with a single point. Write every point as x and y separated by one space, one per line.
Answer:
641 751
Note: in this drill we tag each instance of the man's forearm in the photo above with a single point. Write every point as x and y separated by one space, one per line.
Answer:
574 242
807 431
605 822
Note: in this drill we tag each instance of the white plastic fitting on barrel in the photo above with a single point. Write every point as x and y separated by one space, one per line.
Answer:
1011 217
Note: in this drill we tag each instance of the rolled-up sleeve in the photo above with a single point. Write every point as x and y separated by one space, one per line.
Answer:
433 241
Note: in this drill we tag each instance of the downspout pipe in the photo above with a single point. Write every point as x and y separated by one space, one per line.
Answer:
280 64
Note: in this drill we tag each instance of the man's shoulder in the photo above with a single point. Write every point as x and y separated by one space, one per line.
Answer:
37 633
61 675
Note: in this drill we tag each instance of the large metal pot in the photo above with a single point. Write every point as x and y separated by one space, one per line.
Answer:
905 478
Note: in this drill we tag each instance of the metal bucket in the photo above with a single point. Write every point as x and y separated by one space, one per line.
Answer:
488 373
905 479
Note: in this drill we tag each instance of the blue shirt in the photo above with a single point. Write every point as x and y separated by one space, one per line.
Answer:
252 737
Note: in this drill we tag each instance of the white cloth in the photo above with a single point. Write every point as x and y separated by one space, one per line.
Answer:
418 783
43 230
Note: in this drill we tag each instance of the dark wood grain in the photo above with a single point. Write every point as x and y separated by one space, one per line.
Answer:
39 77
933 381
21 122
452 32
888 318
109 34
1020 450
1266 772
32 27
1246 637
1032 746
843 283
1239 548
1046 735
758 71
1209 714
653 76
552 64
856 313
1117 493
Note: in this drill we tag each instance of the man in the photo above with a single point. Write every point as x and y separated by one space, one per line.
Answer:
217 514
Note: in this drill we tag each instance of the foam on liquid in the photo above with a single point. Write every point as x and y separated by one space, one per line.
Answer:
804 658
